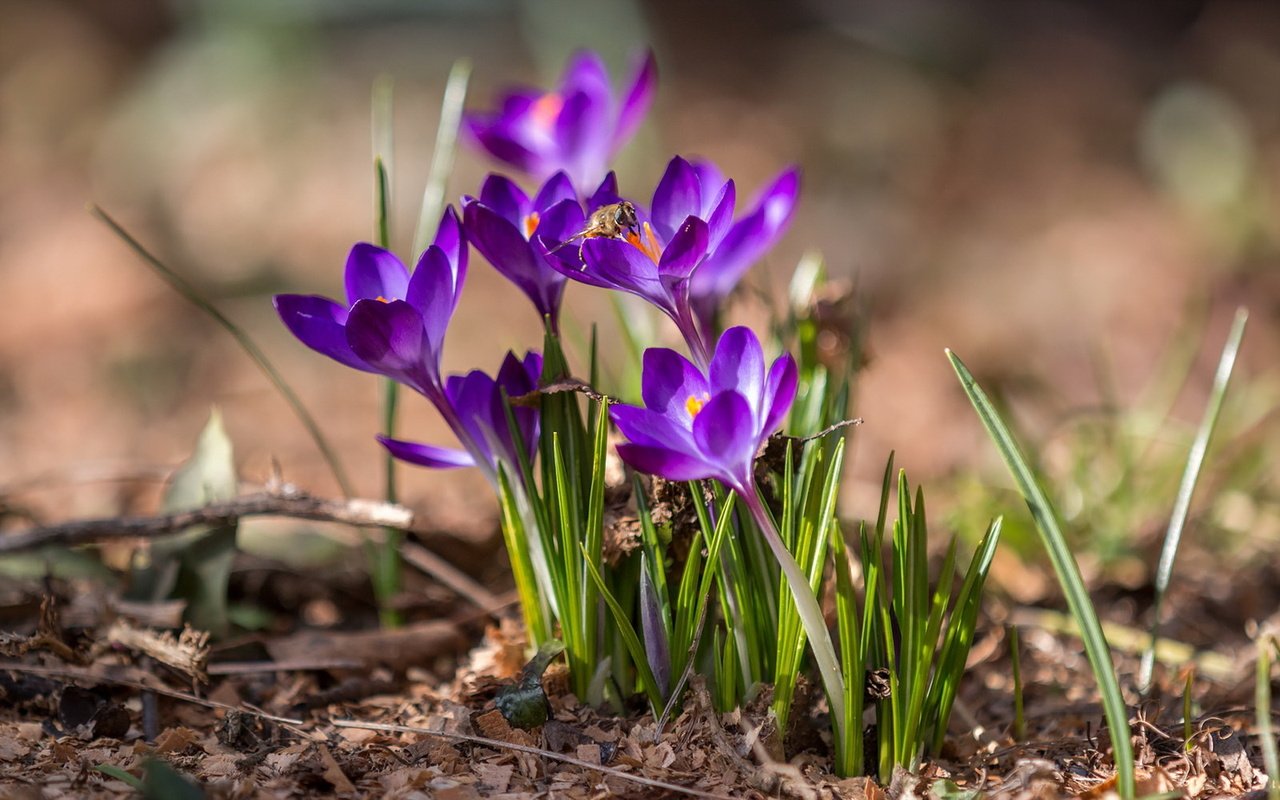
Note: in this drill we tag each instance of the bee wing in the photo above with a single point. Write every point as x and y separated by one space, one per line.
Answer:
580 234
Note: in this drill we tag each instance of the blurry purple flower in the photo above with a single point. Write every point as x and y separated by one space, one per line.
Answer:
695 426
393 324
476 411
576 128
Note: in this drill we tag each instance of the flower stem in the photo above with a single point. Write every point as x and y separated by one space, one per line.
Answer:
815 626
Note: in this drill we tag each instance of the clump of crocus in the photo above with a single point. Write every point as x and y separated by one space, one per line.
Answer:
576 128
392 324
697 425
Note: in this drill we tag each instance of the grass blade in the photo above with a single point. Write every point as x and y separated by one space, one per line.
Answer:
433 195
1182 504
1068 572
192 295
1266 736
629 638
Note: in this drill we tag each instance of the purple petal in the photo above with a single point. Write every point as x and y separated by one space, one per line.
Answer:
654 429
606 194
431 293
779 392
390 337
505 248
501 196
738 365
637 100
585 73
669 464
720 215
669 380
678 196
373 272
450 239
580 133
533 367
725 433
685 250
627 268
709 175
427 455
557 188
320 324
498 137
748 239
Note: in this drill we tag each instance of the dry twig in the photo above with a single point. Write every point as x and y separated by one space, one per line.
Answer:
360 513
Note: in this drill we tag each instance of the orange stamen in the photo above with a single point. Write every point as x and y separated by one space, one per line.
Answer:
531 224
546 109
381 299
646 243
694 404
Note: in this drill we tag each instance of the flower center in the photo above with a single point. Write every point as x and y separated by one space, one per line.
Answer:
531 224
646 243
695 403
381 299
546 109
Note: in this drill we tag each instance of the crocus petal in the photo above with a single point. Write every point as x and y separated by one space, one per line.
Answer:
557 188
678 196
628 269
685 250
501 196
427 455
585 73
670 380
431 293
320 324
724 432
637 100
738 364
709 175
391 338
649 427
720 216
580 134
505 248
450 239
606 194
749 238
497 137
669 464
779 392
373 272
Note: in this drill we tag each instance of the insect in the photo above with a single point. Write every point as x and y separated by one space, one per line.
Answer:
613 221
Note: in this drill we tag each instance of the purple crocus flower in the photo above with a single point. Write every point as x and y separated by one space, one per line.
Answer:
689 252
502 221
576 128
476 410
393 323
695 425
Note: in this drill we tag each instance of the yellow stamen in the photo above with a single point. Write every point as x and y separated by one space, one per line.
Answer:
531 224
694 404
646 243
546 109
381 299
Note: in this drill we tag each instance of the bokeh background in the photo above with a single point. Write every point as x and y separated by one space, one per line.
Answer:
1072 195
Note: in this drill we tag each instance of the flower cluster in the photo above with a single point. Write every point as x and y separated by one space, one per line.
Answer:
685 253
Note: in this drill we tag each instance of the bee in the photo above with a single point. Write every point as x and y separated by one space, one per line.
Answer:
613 221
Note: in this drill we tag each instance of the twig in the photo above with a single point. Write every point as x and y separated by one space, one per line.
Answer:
449 575
361 513
522 748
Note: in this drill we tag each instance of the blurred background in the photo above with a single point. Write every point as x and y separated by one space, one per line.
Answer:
1073 196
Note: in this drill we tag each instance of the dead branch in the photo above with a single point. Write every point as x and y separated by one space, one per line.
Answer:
360 513
188 652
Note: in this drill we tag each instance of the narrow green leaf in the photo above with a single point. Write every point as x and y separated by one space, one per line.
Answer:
442 157
1187 488
1266 736
622 623
1068 573
112 771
